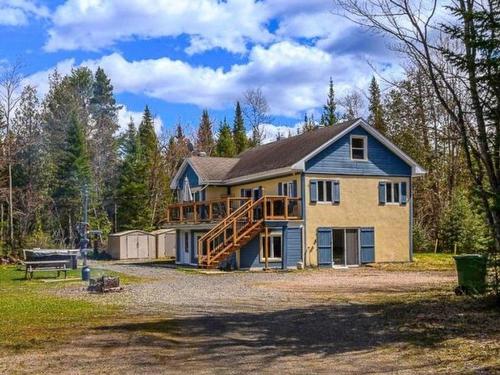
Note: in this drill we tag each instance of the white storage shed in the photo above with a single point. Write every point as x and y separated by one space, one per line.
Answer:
132 244
165 243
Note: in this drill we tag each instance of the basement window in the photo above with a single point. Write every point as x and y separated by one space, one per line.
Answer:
275 245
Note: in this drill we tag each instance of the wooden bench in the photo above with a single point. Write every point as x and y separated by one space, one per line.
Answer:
45 265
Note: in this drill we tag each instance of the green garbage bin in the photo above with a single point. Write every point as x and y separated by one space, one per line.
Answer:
471 270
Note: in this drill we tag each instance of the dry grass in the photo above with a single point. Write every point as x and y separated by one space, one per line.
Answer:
421 262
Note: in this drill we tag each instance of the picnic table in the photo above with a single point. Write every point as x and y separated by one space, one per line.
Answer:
45 265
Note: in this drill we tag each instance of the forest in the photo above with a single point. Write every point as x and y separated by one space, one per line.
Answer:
443 112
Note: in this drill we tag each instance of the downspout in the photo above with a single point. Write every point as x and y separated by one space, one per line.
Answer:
411 217
304 231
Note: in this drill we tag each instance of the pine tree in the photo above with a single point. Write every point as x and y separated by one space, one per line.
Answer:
239 134
376 117
205 138
329 117
147 138
225 143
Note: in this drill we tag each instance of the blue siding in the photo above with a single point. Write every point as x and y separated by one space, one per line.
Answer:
336 159
191 175
177 246
293 246
367 242
249 254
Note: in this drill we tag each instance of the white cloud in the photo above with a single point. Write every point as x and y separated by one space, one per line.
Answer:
124 116
18 12
293 77
270 132
40 80
95 24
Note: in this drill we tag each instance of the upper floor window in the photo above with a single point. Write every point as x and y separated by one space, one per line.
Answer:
358 147
392 193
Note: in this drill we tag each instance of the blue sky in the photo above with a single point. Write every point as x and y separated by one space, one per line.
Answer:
182 56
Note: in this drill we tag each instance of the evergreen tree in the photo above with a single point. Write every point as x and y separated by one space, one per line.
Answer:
147 138
309 123
376 117
205 138
225 142
329 117
239 134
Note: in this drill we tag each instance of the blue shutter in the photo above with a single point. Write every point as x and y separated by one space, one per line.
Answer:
336 191
324 242
280 188
294 188
381 192
313 186
367 242
403 193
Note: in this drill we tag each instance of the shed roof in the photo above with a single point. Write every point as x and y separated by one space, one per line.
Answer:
163 230
130 231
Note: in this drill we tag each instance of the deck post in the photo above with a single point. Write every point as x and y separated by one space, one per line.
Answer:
195 214
266 249
181 213
286 207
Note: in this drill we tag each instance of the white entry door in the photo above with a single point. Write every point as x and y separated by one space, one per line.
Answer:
185 248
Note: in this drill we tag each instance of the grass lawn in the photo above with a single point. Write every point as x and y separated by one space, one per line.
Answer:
422 262
31 314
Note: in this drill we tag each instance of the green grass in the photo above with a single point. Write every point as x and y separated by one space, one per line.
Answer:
422 262
31 314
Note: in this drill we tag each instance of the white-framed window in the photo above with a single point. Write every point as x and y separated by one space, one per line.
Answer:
325 191
287 189
359 149
275 245
392 192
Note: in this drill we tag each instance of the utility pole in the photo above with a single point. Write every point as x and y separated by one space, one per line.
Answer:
83 233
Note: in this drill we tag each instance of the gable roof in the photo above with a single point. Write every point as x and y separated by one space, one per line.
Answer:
209 169
285 152
282 157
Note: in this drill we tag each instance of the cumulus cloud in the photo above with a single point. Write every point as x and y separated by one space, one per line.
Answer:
92 25
18 12
293 77
125 115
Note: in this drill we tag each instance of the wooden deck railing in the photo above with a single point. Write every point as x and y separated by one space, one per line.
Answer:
204 211
276 207
241 225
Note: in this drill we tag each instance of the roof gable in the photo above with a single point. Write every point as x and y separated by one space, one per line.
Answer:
336 158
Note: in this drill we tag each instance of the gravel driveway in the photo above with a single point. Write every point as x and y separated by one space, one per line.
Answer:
359 320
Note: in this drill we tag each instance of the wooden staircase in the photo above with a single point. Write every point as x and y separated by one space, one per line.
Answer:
231 234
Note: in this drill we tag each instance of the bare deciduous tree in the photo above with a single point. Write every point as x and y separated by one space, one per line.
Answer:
10 95
256 110
352 103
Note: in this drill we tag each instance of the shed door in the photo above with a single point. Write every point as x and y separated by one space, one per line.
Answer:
324 241
143 246
132 249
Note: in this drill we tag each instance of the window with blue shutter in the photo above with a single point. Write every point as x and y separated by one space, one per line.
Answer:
336 192
381 192
403 193
313 187
280 188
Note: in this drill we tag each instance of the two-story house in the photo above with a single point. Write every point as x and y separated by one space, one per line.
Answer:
334 196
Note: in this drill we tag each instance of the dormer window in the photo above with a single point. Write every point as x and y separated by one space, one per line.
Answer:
358 147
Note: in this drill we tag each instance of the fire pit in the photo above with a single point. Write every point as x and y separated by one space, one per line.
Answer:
105 284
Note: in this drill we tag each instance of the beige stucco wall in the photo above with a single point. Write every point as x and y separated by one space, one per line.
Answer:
359 207
216 192
269 186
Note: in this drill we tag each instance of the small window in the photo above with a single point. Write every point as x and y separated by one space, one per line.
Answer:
275 244
321 191
392 193
358 148
329 191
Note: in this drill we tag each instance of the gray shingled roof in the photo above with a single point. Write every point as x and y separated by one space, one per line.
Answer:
212 168
285 152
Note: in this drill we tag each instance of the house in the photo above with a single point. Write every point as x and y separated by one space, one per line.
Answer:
334 196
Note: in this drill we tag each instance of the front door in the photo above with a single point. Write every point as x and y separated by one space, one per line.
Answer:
352 247
185 254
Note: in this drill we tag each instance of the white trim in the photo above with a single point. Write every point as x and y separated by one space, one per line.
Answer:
262 258
365 146
259 176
